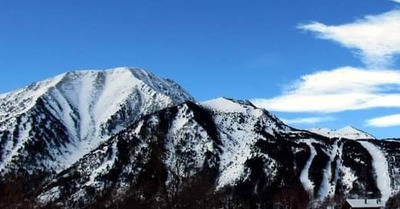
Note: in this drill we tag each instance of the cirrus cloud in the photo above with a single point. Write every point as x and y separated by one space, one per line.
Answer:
307 120
341 89
375 37
385 121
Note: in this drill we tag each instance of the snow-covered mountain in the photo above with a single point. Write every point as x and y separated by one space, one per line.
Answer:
51 124
125 138
212 140
347 132
190 154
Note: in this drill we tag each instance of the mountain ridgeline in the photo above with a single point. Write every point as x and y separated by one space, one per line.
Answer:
125 138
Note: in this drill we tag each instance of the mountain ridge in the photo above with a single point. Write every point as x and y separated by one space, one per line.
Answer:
239 148
88 106
127 138
349 132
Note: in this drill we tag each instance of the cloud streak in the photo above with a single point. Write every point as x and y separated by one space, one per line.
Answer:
376 40
375 37
385 121
341 89
308 120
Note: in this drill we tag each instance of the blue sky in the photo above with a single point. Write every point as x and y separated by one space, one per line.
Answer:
308 61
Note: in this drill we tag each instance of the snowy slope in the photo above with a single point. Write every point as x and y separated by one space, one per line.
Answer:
83 108
304 176
124 138
381 169
240 125
347 132
184 133
227 148
217 139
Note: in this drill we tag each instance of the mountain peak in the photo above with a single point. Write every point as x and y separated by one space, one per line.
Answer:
227 105
348 132
349 129
87 106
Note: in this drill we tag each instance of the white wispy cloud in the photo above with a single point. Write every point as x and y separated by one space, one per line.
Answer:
385 121
375 37
341 89
308 120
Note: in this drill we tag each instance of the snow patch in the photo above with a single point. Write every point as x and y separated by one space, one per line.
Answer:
348 178
104 167
50 195
381 167
347 132
326 188
304 175
224 105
